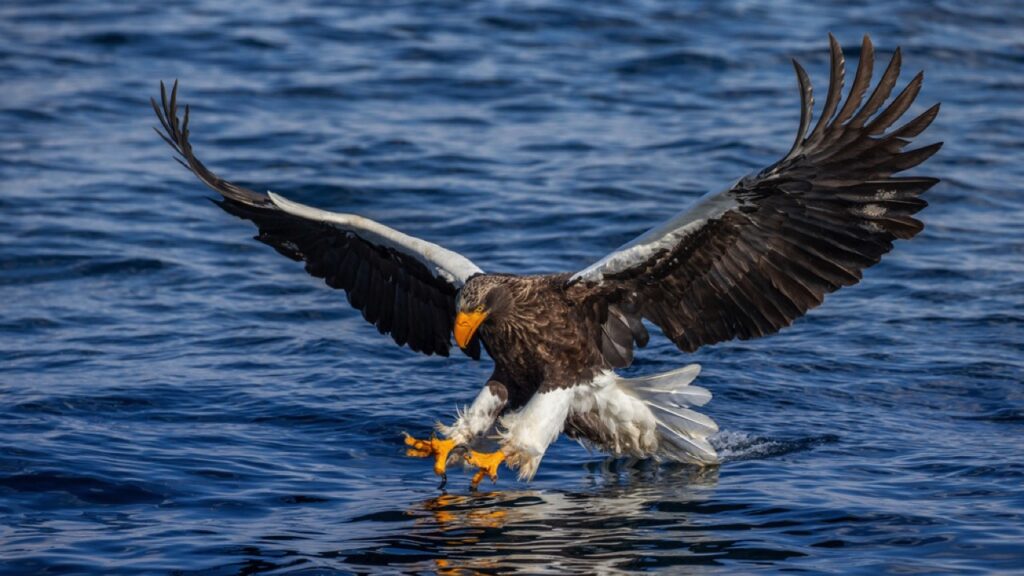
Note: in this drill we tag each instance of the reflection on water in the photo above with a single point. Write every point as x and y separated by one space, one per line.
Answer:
634 516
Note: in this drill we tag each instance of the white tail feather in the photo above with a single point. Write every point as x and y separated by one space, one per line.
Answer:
695 423
682 432
685 448
672 387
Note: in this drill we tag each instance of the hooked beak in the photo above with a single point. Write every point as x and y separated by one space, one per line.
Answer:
466 324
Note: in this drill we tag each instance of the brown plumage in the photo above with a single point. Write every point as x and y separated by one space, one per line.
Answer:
543 333
742 263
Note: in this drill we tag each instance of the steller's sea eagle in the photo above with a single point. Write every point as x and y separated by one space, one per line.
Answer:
741 263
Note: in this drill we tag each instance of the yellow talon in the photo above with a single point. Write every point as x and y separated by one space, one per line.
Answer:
436 447
487 465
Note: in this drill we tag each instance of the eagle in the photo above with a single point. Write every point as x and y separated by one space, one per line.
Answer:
741 263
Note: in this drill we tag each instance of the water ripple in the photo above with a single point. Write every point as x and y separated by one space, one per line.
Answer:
174 398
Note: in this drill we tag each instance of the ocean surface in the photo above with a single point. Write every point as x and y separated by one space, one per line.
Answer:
176 398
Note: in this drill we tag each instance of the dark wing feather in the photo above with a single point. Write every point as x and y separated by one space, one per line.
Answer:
388 282
748 261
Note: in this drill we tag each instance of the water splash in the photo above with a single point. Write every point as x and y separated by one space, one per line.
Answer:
737 446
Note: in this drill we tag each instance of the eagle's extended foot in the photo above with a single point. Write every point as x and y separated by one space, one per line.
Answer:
487 465
440 448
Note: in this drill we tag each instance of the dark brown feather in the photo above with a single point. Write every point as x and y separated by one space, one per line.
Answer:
794 232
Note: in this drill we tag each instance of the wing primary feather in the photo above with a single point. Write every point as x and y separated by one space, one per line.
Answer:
174 105
897 108
171 144
806 107
163 121
835 87
912 158
184 124
882 91
163 98
861 82
918 124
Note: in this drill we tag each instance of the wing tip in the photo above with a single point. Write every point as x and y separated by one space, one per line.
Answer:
806 106
177 137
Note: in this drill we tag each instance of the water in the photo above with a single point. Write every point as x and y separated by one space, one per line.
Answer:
175 397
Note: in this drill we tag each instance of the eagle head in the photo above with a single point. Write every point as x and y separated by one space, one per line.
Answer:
484 298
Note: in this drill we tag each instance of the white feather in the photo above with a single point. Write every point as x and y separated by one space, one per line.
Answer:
671 388
695 423
680 433
641 417
476 420
660 238
443 263
628 426
687 448
529 431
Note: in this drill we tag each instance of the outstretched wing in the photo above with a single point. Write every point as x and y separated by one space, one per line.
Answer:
748 261
403 285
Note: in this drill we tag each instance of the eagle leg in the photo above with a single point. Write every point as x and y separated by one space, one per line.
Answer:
487 465
439 448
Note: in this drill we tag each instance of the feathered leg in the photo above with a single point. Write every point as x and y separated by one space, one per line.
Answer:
528 433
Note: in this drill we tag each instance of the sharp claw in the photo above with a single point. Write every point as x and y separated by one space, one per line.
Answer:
418 446
446 452
474 484
460 451
487 465
438 448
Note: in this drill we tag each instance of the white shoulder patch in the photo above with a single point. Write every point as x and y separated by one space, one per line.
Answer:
663 237
443 263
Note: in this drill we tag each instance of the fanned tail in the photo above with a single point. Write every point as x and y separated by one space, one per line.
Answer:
682 432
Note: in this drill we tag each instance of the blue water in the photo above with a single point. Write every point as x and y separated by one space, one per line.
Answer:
177 398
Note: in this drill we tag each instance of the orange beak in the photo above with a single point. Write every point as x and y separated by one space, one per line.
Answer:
466 324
